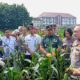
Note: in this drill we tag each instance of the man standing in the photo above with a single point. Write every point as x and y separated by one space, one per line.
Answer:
32 42
50 40
9 43
75 54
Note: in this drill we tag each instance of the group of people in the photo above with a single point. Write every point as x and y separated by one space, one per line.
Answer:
29 42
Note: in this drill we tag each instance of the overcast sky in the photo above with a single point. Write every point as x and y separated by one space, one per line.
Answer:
36 7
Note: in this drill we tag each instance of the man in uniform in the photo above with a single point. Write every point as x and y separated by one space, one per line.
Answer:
50 40
75 54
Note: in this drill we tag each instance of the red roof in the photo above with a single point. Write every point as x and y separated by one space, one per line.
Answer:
37 19
53 14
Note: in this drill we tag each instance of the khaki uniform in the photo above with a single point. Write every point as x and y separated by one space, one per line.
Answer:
75 55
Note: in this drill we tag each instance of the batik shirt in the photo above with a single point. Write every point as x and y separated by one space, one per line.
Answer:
75 55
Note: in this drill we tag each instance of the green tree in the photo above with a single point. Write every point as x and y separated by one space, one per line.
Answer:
12 16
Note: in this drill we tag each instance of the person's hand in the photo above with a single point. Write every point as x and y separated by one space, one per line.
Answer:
63 50
59 49
53 54
48 54
78 46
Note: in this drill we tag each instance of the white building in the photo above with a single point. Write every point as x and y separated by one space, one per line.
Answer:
61 19
37 22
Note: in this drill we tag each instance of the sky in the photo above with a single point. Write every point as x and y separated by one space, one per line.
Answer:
36 7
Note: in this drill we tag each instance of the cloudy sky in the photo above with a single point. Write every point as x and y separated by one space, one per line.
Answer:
36 7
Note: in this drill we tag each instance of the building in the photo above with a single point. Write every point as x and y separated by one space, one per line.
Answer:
37 22
61 19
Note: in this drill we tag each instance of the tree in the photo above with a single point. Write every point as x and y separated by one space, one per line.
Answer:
12 16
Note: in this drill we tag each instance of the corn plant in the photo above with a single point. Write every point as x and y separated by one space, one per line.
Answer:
40 68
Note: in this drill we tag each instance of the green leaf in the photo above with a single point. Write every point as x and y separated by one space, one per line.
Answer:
65 76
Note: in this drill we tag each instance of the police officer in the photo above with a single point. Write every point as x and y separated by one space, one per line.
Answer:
75 54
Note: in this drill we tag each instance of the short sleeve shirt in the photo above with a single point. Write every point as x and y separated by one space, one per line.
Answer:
32 42
51 41
9 43
75 55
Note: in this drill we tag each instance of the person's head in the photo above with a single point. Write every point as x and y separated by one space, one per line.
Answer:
20 28
7 33
24 30
77 31
68 33
32 29
36 30
50 30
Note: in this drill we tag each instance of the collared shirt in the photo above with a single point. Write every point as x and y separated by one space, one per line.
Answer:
75 55
32 42
20 43
67 44
51 41
9 45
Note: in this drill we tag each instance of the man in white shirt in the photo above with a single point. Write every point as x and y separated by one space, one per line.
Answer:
9 43
32 42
